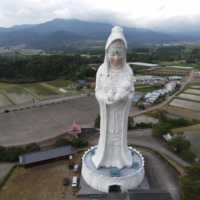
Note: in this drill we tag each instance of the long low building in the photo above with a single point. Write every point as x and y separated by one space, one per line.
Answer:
144 64
180 67
46 156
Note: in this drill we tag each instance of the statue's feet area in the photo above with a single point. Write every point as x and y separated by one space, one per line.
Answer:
102 178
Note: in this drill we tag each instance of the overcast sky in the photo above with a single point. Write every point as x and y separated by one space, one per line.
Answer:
170 15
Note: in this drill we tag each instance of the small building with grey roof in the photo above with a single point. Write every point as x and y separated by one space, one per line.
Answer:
46 156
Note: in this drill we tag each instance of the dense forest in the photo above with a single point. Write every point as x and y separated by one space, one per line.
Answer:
74 67
45 68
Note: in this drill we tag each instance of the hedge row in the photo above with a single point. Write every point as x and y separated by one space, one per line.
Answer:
158 154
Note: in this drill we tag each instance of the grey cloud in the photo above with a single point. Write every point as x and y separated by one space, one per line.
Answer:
161 8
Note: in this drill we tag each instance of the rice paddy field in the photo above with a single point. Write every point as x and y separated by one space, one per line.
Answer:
187 105
171 72
60 83
4 101
41 92
16 94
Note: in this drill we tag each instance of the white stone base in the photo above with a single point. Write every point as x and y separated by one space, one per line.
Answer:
101 180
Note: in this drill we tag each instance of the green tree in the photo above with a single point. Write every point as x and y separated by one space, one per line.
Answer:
161 129
2 153
190 184
180 143
32 147
61 142
97 121
12 154
130 122
161 115
187 153
76 142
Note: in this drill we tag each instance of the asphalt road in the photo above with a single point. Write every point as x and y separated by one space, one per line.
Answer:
160 175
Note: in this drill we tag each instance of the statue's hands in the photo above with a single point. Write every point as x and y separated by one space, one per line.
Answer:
110 103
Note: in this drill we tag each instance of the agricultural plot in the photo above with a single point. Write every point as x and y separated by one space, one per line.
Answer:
4 101
2 85
193 91
73 92
171 72
185 104
190 96
41 91
59 83
17 94
195 86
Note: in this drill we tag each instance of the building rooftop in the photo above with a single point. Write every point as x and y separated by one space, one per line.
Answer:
144 64
74 128
179 67
155 194
46 155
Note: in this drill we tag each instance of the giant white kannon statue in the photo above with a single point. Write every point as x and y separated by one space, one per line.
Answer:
114 92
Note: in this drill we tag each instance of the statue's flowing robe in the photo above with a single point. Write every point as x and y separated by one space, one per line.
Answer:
112 148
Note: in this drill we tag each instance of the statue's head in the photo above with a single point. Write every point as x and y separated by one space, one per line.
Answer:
116 47
116 52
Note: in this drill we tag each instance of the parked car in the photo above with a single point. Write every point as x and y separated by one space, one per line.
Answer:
75 168
71 165
65 181
74 181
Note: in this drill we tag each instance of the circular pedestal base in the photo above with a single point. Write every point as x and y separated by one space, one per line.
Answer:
103 179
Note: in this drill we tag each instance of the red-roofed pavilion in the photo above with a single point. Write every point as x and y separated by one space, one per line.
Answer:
74 129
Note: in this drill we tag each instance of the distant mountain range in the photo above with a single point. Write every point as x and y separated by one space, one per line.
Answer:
60 34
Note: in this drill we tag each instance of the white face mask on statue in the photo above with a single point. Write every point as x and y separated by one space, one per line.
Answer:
116 55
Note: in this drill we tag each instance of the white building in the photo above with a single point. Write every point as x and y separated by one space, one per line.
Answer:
144 64
63 90
170 86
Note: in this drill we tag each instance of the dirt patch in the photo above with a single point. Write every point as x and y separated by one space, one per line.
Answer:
42 183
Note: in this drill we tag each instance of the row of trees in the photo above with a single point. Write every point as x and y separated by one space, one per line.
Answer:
11 154
75 142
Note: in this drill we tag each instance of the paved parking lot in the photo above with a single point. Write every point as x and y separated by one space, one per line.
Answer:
40 123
